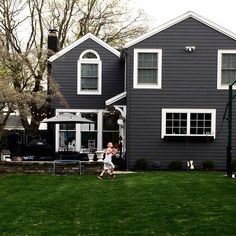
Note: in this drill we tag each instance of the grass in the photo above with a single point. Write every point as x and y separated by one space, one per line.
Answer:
154 203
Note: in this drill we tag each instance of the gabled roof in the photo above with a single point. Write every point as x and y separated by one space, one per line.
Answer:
81 40
179 19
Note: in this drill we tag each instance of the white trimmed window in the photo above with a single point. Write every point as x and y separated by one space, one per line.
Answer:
147 68
188 122
89 73
226 69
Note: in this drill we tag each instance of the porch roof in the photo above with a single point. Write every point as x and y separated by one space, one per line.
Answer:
13 122
116 98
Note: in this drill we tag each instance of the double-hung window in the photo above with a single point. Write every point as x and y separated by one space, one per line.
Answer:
147 68
89 73
188 122
226 74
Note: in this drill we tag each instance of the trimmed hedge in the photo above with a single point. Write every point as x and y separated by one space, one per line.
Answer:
176 165
141 164
208 165
234 165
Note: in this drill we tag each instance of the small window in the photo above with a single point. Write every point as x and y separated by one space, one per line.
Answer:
89 55
89 73
188 122
147 68
226 68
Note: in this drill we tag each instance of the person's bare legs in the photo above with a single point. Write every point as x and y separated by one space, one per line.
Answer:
111 174
102 173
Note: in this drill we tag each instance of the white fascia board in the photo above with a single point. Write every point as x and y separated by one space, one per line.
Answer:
116 98
179 19
81 40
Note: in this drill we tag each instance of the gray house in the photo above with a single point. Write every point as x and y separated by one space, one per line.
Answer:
164 95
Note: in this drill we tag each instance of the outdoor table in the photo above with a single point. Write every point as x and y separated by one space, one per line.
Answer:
81 164
64 162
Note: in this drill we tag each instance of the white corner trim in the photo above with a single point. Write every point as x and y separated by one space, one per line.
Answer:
99 129
88 92
219 68
135 69
188 111
81 40
116 98
179 19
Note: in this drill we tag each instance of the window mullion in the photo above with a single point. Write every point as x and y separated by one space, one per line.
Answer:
188 123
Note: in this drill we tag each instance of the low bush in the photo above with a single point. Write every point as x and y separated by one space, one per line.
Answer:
208 165
141 164
234 165
176 165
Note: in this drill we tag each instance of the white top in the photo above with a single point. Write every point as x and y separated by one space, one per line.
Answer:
108 158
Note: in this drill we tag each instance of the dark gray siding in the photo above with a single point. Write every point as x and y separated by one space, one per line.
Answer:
121 102
189 80
64 72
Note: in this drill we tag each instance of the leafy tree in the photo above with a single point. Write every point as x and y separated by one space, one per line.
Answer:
24 27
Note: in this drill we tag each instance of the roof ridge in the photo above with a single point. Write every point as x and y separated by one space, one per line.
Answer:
81 40
178 19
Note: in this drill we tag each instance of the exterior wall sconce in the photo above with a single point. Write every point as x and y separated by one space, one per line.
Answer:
190 48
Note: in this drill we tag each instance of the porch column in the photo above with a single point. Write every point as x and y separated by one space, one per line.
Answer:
99 128
122 126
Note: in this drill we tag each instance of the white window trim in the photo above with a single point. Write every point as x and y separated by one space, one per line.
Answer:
188 111
135 70
219 67
89 61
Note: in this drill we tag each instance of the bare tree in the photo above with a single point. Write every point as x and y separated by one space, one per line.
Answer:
24 26
26 60
8 96
113 21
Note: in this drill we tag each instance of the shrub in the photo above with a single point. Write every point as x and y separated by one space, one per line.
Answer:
208 165
176 165
234 165
141 164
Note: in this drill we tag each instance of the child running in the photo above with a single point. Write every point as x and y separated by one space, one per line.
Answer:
108 165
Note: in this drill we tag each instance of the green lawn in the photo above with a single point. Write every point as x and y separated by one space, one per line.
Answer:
155 203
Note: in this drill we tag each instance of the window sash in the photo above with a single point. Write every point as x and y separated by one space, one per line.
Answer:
147 68
89 76
226 68
176 123
200 123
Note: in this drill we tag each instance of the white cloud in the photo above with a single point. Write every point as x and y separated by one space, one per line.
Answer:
218 11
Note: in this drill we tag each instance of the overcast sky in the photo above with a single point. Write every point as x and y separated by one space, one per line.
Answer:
222 12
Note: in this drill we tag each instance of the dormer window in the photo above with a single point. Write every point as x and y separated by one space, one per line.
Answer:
89 73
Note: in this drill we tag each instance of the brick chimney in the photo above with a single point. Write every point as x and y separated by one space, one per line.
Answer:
53 46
